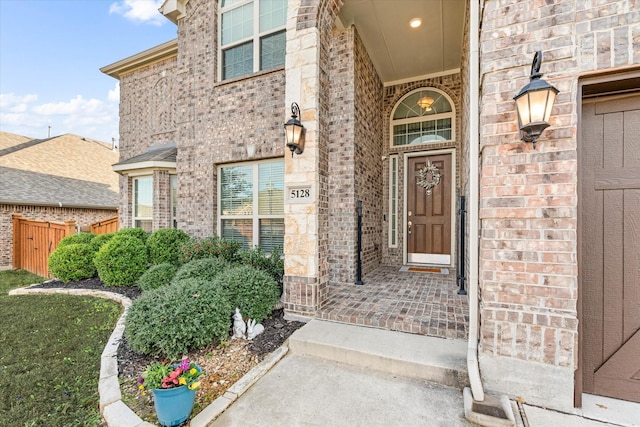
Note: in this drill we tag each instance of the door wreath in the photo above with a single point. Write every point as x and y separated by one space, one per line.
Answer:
429 177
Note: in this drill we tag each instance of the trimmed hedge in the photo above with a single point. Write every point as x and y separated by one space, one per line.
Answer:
206 269
211 247
157 276
138 233
253 291
74 239
72 262
172 320
121 261
100 240
272 263
165 246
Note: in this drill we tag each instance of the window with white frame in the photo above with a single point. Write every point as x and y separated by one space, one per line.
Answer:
252 36
174 200
143 203
393 201
423 116
251 203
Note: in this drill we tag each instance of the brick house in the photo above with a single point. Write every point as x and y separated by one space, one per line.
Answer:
57 179
383 104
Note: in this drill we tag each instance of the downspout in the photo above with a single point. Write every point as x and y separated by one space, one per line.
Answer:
473 367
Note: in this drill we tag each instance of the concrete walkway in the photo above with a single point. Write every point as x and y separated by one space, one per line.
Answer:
345 375
304 390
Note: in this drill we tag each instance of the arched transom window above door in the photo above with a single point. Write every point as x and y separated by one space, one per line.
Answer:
423 116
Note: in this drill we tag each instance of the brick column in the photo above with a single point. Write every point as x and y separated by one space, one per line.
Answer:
161 200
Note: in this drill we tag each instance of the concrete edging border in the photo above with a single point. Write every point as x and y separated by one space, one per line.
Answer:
115 412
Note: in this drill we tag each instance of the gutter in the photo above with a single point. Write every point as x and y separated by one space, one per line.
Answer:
474 158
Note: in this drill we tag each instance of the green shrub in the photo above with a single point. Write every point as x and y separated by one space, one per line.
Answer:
138 233
209 248
157 276
254 291
272 264
206 269
165 245
172 320
72 262
100 240
121 261
74 239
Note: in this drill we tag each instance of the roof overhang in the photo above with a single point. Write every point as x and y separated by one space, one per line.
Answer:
142 168
155 54
155 158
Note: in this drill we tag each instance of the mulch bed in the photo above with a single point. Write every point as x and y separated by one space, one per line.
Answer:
224 363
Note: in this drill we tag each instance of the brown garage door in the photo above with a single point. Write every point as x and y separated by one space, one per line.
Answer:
610 246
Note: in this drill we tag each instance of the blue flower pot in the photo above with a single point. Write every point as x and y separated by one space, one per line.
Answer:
173 405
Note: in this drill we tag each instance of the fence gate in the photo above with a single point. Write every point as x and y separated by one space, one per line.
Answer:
110 225
33 242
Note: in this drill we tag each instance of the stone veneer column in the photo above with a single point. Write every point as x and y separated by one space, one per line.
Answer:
302 281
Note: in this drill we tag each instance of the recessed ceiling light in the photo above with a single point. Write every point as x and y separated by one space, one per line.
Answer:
415 22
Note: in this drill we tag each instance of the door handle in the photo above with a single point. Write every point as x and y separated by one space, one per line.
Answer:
409 224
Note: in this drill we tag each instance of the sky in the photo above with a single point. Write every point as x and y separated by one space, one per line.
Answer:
50 55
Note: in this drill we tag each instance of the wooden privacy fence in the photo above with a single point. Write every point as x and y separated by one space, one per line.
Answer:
110 225
33 242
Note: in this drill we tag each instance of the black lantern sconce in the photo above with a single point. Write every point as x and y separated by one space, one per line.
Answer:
294 131
534 104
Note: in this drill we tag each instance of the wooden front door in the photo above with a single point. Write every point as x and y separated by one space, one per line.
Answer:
610 246
428 216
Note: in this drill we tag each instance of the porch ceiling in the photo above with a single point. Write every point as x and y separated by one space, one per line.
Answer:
400 52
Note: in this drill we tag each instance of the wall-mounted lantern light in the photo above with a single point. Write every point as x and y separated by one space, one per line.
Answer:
534 104
294 131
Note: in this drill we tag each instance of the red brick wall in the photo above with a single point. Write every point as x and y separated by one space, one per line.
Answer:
528 201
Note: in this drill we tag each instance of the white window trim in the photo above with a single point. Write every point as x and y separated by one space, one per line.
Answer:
393 204
135 218
255 216
257 35
451 115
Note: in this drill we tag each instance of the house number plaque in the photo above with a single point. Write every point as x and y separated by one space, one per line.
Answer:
300 194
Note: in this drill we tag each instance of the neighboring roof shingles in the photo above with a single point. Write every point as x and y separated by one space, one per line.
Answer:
66 170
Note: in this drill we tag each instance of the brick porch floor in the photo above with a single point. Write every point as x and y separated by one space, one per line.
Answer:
416 302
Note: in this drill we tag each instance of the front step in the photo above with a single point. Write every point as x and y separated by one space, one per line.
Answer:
416 356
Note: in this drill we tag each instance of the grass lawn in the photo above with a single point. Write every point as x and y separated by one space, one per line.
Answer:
50 347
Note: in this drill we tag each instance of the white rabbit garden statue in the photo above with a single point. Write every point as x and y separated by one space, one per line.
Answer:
239 327
254 330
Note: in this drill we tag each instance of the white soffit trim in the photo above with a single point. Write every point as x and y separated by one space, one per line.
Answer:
128 168
149 56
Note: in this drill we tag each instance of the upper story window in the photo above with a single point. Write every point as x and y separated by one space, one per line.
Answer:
252 36
423 116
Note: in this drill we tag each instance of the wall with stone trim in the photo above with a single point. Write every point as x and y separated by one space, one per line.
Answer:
528 201
82 217
182 100
451 85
